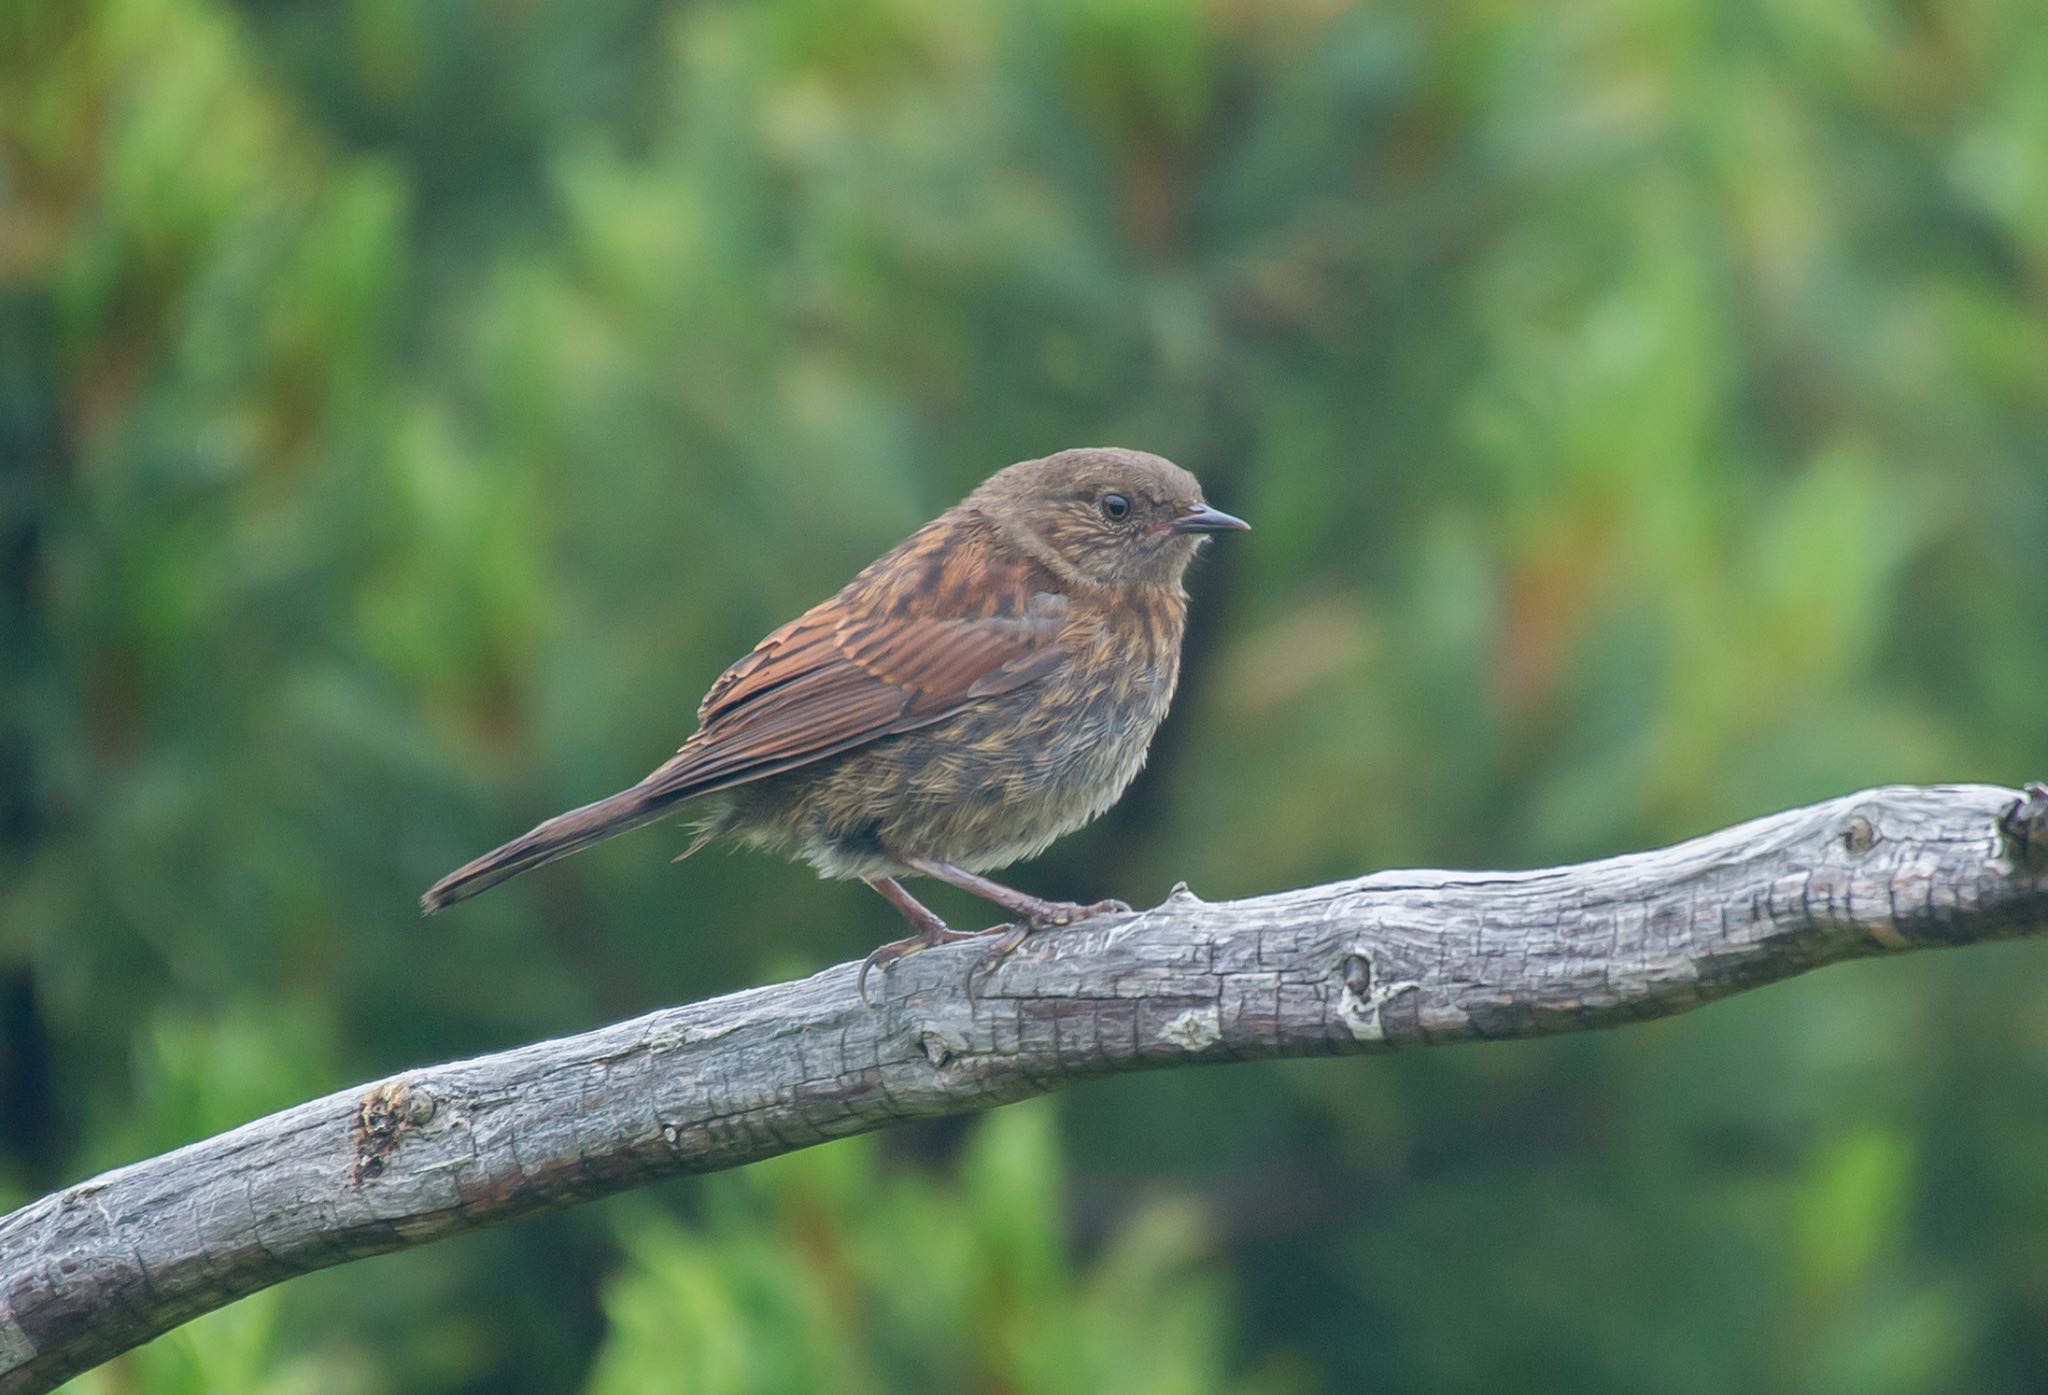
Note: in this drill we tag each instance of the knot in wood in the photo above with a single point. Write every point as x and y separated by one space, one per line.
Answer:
2025 826
937 1049
1357 970
1859 835
385 1112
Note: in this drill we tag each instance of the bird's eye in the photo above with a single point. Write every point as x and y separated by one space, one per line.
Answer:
1115 506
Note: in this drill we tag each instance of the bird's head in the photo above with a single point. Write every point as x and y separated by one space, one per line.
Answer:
1104 516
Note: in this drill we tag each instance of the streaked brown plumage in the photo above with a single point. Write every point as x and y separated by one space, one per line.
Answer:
991 683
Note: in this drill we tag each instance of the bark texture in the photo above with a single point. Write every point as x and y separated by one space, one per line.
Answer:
1395 959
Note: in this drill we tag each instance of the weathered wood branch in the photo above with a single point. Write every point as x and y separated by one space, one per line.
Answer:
1390 960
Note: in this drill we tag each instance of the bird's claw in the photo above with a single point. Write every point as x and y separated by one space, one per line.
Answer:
1050 915
1057 913
1008 937
885 955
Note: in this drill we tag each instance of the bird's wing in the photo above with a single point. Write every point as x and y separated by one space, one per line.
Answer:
945 620
942 622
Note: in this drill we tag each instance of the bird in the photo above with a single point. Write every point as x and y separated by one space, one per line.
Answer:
988 685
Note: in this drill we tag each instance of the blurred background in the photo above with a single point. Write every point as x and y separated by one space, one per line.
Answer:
406 410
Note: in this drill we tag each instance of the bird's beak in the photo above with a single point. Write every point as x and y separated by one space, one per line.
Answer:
1203 519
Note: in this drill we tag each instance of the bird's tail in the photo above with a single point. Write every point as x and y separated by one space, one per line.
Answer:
558 837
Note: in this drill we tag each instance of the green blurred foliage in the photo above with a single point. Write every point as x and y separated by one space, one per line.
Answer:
836 1269
405 410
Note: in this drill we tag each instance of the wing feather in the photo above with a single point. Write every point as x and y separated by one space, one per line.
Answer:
899 648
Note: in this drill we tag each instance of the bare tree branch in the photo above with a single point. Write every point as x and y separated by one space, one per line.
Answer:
1395 959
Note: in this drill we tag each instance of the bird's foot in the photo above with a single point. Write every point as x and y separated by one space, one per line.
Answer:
1045 915
885 955
1048 914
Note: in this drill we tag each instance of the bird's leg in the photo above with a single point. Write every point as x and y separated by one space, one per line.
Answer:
1031 912
930 930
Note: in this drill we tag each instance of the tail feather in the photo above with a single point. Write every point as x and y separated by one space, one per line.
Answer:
558 837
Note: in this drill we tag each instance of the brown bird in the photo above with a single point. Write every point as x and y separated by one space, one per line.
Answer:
990 684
